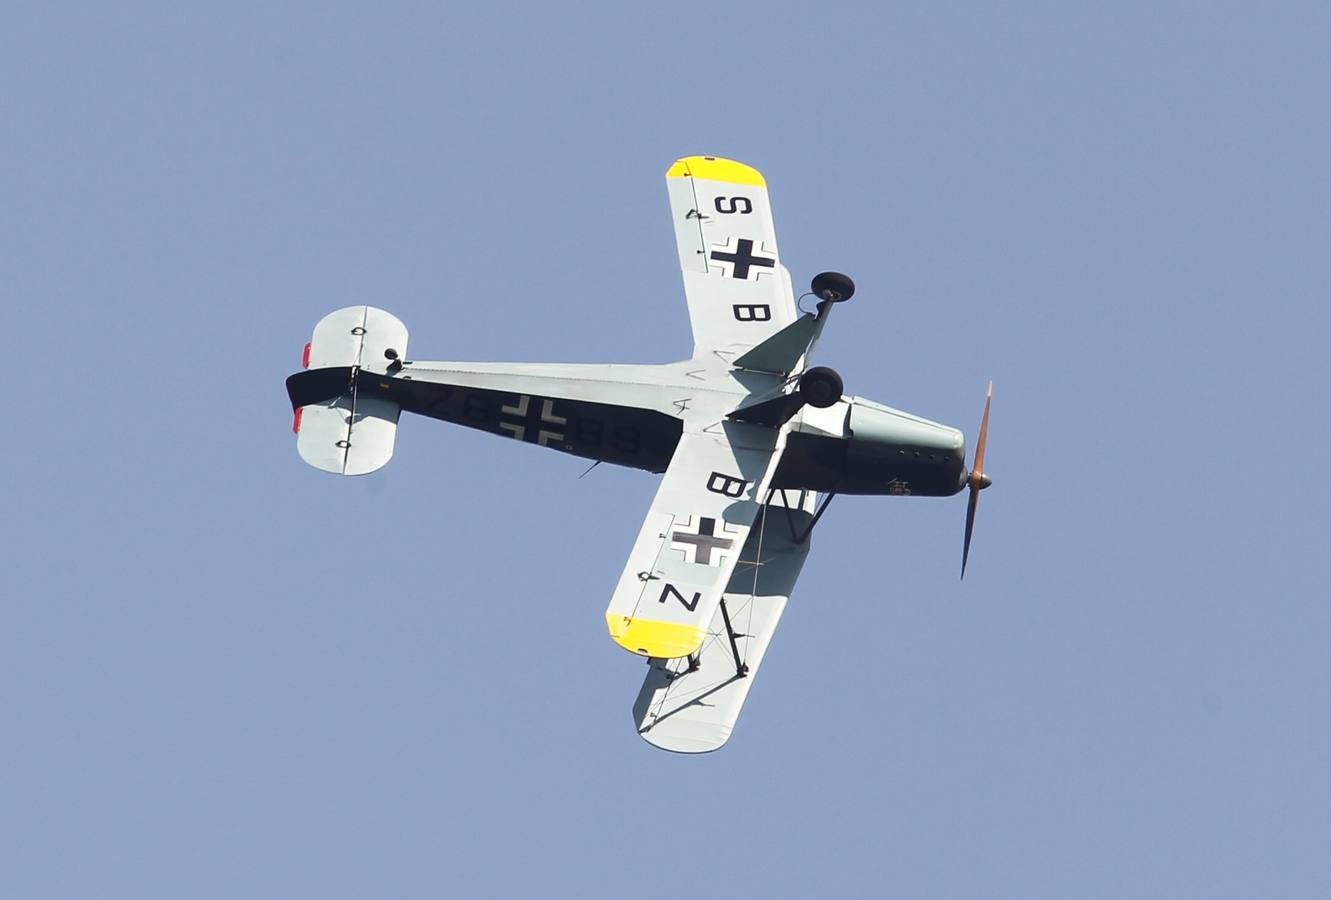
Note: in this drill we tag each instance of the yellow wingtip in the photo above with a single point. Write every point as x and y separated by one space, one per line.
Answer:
646 637
714 168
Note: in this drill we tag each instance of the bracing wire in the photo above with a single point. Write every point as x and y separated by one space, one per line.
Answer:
753 591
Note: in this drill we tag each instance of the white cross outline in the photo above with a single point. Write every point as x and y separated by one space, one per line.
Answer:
693 543
519 432
727 268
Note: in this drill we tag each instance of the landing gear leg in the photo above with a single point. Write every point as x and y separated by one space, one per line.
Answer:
741 669
818 514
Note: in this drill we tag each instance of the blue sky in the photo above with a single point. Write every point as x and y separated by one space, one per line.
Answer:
226 674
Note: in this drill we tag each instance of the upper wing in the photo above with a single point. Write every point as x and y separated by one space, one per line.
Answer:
739 294
692 708
691 540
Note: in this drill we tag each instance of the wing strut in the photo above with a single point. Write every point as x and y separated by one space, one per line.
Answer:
818 514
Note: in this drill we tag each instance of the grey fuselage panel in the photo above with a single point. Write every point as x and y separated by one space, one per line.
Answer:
622 435
634 415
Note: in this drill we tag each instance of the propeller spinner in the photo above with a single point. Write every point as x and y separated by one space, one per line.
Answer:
977 480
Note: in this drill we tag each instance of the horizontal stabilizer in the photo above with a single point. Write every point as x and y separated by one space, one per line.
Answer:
358 336
341 426
348 435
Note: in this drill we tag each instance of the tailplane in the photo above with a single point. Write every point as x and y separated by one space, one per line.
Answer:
340 426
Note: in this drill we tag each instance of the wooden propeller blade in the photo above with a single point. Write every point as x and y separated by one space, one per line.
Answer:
970 525
977 481
978 468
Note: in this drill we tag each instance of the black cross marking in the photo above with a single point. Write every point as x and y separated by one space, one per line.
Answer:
742 259
703 542
524 421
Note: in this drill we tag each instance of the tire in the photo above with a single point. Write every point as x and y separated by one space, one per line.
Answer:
821 387
832 286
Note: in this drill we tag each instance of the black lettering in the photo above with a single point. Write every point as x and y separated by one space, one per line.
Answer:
728 205
726 485
752 312
690 605
626 439
477 408
588 431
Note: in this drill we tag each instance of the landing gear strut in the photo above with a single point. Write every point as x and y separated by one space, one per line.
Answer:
800 538
741 669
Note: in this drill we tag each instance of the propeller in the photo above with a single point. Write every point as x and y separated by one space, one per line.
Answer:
977 480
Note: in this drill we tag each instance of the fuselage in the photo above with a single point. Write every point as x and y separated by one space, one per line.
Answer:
634 415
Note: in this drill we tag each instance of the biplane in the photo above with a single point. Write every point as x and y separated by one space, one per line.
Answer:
752 442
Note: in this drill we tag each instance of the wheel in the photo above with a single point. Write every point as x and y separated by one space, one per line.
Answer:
832 286
821 387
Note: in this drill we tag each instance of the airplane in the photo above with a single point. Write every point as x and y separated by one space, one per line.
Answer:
746 433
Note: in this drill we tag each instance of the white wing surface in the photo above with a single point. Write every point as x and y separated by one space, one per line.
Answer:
690 543
692 708
738 292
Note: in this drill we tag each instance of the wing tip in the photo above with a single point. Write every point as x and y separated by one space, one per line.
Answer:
716 168
686 743
648 637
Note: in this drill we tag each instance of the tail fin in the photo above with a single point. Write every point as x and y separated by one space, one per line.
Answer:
340 428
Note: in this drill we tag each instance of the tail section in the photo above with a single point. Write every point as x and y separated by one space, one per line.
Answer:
340 426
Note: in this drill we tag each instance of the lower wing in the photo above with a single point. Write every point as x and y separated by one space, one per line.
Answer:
691 541
690 705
